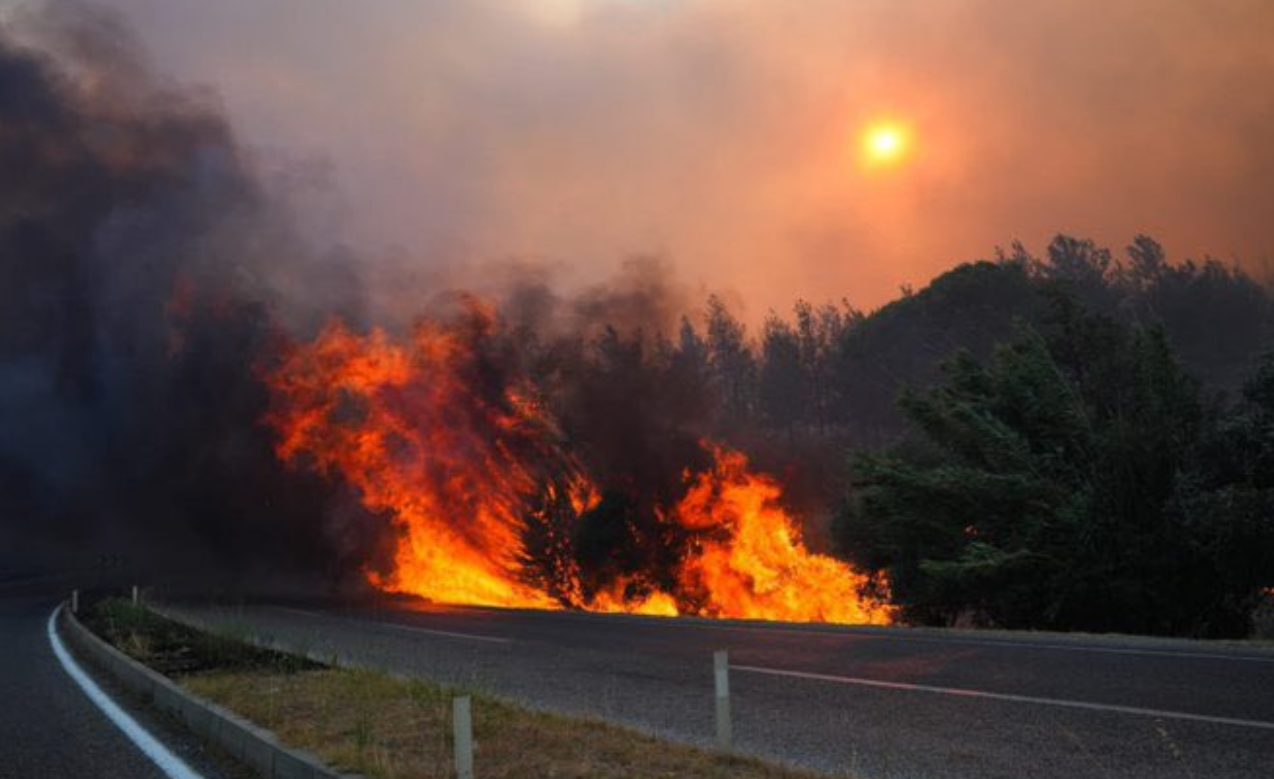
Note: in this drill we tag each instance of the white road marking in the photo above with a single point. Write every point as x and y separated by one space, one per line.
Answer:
396 626
160 755
998 696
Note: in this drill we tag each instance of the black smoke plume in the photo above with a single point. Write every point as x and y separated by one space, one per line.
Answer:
144 271
150 279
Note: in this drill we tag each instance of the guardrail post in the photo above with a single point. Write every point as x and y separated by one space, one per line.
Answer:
721 676
75 601
462 716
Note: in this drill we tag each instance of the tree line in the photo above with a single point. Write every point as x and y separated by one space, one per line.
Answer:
1071 441
1079 479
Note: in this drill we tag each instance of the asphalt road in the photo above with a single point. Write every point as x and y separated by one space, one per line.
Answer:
872 703
49 728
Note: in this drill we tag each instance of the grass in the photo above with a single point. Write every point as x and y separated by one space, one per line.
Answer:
178 650
383 726
389 727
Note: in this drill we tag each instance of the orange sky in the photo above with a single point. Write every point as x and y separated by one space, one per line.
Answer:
724 135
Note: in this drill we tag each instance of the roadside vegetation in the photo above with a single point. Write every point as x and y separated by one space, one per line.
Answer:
389 727
1078 479
1078 441
180 651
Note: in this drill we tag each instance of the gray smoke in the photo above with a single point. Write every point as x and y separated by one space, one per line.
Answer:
144 272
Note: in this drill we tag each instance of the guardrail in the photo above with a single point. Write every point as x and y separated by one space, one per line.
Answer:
258 748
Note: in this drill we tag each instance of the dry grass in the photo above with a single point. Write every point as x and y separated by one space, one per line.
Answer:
393 728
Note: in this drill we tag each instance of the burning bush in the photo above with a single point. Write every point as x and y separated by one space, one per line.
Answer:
444 432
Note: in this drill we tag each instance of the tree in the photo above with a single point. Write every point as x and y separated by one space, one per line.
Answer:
1217 317
1036 490
731 360
1083 267
819 331
687 375
972 307
1227 506
783 390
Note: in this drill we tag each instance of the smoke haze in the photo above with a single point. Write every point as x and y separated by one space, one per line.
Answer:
723 134
599 167
152 271
143 270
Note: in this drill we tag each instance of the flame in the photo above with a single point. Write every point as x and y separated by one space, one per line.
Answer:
453 469
658 604
759 567
462 457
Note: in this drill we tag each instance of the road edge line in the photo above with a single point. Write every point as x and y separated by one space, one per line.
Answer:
151 747
258 748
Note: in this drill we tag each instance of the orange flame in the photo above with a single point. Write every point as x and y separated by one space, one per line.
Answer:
759 568
400 425
460 463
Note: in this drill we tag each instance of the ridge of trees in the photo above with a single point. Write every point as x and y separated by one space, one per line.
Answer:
835 369
1072 441
1075 480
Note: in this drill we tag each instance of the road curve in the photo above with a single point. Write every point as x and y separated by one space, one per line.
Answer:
877 703
47 726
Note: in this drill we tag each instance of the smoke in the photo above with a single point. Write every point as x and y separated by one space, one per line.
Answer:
153 271
722 133
144 269
154 266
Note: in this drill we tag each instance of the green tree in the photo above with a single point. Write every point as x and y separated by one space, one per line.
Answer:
1227 506
1035 491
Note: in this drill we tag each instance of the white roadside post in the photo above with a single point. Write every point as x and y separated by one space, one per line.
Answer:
721 675
136 599
462 716
75 601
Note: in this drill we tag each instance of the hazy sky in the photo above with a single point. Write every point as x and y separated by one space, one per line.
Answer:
725 134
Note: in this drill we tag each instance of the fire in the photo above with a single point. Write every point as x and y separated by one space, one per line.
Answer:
760 568
403 425
463 456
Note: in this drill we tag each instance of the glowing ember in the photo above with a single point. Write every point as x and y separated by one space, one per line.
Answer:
463 456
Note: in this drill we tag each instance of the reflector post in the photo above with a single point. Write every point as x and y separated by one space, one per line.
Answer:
721 677
462 723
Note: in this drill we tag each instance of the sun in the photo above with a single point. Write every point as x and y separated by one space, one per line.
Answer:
885 143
